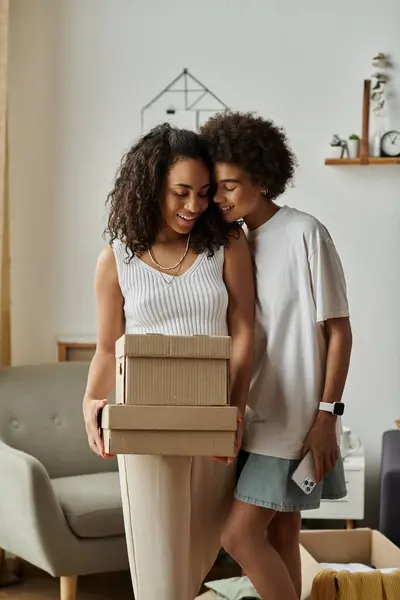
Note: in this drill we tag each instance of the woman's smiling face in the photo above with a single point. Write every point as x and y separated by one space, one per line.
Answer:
187 194
236 195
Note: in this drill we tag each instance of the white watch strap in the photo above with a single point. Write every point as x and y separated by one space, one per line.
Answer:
326 406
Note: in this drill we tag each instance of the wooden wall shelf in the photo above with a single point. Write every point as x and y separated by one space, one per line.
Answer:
370 160
364 159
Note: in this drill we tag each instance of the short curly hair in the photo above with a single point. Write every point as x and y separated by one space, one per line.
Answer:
256 145
135 202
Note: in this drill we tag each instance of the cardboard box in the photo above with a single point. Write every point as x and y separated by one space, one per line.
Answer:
169 430
164 370
365 546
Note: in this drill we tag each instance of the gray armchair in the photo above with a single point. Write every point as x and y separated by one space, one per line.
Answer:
60 505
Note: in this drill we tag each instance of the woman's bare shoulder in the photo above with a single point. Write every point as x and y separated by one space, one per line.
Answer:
237 242
106 267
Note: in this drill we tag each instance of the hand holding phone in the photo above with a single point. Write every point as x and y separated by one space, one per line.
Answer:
304 475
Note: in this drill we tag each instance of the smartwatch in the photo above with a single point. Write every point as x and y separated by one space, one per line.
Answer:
336 408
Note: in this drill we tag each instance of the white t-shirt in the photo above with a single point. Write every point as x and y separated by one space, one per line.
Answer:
300 284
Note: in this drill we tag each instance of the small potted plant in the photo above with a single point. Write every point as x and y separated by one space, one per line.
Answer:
381 61
337 146
353 146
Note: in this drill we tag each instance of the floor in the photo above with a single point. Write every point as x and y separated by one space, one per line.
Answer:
94 587
108 586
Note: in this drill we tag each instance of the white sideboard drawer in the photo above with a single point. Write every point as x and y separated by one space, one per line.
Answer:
350 507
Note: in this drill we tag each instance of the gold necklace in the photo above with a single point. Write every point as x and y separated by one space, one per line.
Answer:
169 282
153 260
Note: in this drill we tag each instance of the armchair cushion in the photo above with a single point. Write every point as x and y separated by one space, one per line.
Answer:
91 503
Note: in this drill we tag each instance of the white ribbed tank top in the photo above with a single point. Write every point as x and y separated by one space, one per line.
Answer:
194 303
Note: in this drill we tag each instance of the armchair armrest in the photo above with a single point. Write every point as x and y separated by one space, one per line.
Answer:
32 524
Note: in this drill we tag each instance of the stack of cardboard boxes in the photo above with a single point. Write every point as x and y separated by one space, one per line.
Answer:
172 397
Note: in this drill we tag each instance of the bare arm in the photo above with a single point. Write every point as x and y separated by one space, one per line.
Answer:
110 326
322 438
338 358
239 280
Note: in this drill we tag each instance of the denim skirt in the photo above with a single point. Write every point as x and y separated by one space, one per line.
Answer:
267 481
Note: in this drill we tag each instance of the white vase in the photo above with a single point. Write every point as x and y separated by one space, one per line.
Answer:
376 144
354 148
335 151
377 133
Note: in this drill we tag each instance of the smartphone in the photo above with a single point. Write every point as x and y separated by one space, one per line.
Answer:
304 475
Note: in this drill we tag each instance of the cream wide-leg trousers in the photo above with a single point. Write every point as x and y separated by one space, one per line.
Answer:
174 512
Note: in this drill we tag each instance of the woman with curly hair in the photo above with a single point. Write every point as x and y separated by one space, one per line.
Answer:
303 347
172 267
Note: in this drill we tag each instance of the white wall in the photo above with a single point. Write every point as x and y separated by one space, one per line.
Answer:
80 72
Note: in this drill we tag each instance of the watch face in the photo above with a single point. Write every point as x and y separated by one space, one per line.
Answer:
338 408
390 144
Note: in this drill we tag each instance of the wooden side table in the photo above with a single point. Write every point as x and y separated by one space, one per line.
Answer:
76 348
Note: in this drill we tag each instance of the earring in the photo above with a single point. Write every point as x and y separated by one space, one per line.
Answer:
264 192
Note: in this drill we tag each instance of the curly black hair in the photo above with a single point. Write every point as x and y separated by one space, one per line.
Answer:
136 199
256 145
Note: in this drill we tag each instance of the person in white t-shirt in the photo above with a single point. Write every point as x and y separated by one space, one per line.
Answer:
302 354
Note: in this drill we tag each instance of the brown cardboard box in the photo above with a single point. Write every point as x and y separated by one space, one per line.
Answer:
169 430
172 370
365 546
